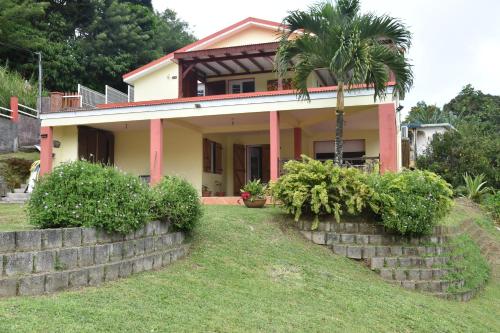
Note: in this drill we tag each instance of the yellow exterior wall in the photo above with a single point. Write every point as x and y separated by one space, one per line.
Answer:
68 151
158 84
132 151
253 35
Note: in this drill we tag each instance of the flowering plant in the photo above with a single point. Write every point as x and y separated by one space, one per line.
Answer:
253 190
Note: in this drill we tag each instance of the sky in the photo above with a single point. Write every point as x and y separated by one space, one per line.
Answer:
455 42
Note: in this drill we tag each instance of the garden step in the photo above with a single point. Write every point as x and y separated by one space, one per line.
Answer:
18 196
409 261
370 251
432 286
414 274
20 190
382 239
460 295
368 228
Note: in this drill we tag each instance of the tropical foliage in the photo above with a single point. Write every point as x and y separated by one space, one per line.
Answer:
254 189
428 114
13 84
475 187
88 42
354 48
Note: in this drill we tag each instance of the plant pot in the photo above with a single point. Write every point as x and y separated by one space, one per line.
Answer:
206 193
256 203
220 194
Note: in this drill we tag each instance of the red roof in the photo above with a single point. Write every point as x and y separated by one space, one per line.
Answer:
223 97
203 40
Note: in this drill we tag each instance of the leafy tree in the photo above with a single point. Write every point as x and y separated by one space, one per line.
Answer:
355 48
428 114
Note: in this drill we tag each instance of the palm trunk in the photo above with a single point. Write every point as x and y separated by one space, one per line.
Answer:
339 129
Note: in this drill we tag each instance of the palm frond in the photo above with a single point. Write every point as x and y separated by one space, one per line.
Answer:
384 28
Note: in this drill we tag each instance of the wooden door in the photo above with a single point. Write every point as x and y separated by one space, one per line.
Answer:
238 168
266 163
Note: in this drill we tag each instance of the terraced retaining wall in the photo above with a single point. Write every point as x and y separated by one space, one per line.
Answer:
44 261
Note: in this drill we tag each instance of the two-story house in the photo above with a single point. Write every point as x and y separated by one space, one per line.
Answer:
215 113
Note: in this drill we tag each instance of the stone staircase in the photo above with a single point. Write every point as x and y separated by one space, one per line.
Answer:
416 263
18 196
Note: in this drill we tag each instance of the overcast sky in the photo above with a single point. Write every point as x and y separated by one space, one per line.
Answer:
455 42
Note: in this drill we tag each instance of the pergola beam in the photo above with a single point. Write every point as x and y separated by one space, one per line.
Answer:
223 65
253 61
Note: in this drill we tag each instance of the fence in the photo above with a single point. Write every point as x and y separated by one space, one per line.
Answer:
19 126
113 95
90 97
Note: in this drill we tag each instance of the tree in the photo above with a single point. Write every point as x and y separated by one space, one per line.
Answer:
428 114
355 48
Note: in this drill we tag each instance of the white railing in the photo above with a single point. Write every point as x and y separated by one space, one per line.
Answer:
90 97
113 95
130 94
6 113
27 111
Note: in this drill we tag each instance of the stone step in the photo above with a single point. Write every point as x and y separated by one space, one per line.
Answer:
414 274
381 239
370 251
432 286
410 261
20 190
18 196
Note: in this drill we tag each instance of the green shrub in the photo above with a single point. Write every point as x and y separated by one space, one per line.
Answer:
15 171
492 204
421 199
177 200
84 194
311 187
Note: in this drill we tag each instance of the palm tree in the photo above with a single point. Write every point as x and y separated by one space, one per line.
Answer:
354 48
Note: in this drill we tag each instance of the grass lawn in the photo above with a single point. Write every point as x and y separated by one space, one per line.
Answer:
28 156
247 273
13 217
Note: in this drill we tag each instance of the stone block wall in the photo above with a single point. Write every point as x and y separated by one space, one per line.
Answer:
25 132
44 261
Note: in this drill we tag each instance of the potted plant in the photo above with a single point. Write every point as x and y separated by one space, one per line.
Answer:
205 192
219 192
253 194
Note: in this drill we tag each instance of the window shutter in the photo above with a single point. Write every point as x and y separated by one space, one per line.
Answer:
218 158
206 155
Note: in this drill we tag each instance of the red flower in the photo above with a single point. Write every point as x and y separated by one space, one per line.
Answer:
245 195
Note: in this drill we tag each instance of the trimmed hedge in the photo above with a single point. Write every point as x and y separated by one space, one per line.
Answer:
175 199
90 195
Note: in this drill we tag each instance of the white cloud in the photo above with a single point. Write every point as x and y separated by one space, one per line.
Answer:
455 42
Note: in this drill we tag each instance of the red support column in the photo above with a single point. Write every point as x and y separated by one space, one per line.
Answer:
274 140
297 142
46 139
156 151
387 137
14 106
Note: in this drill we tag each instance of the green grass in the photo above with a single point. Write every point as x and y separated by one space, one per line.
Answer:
248 273
33 156
13 217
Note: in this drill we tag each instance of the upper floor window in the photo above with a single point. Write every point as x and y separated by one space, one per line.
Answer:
241 86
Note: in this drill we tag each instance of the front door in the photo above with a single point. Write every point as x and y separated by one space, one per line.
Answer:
238 168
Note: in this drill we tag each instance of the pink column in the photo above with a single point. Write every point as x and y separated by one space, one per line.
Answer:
15 108
387 137
274 140
297 142
46 139
156 150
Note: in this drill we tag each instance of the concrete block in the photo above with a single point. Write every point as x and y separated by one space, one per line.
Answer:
391 262
148 263
332 238
409 251
18 263
116 237
166 258
340 249
8 287
28 240
72 237
128 249
103 237
32 285
67 258
157 243
324 226
168 240
408 285
376 239
347 238
51 239
396 250
153 226
404 262
78 278
426 274
366 228
377 263
164 227
307 234
429 261
318 237
126 268
56 281
176 254
350 228
89 236
149 245
363 239
7 242
139 233
96 275
139 247
383 251
111 272
386 273
86 256
354 252
138 265
44 261
116 252
179 237
101 254
157 261
369 252
421 250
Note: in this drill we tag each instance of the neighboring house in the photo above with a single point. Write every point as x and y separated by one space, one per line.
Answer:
420 136
215 113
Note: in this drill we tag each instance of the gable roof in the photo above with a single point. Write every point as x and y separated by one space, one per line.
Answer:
219 35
